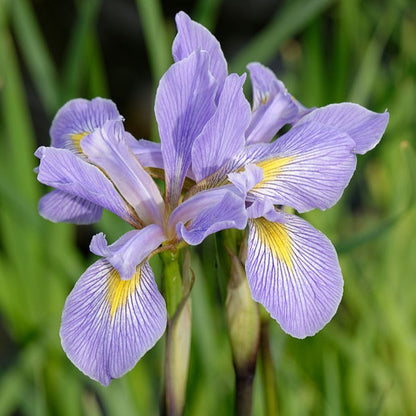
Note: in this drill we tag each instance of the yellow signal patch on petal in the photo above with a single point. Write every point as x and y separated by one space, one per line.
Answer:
274 236
272 168
119 291
76 140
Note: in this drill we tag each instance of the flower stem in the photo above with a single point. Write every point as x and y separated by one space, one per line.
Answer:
243 321
267 370
178 334
244 392
172 282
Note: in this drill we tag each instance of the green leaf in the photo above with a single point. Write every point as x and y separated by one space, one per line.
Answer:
12 384
36 54
77 59
156 37
206 12
287 22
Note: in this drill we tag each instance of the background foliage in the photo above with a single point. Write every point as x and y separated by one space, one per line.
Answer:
364 361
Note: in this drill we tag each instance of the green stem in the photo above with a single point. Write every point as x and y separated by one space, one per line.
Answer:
243 321
178 335
172 282
244 391
267 371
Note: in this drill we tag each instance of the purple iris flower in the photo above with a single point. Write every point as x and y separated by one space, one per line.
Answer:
212 137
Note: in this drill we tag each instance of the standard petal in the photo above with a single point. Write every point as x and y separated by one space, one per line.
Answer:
107 148
364 126
59 206
63 170
191 37
108 324
273 106
308 167
208 212
184 104
293 270
130 249
78 118
223 135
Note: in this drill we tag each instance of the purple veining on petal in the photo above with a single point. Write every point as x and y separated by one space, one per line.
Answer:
59 206
63 170
78 117
273 107
308 167
107 148
365 127
108 326
223 135
192 37
184 103
293 270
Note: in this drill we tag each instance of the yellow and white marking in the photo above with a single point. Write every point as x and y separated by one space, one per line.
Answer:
76 140
119 291
272 169
275 237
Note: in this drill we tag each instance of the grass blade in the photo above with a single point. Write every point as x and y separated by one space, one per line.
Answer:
36 54
286 22
155 34
77 58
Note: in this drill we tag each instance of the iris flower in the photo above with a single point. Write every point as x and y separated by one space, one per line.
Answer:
241 171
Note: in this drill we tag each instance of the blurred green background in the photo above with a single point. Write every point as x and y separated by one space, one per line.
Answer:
364 361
